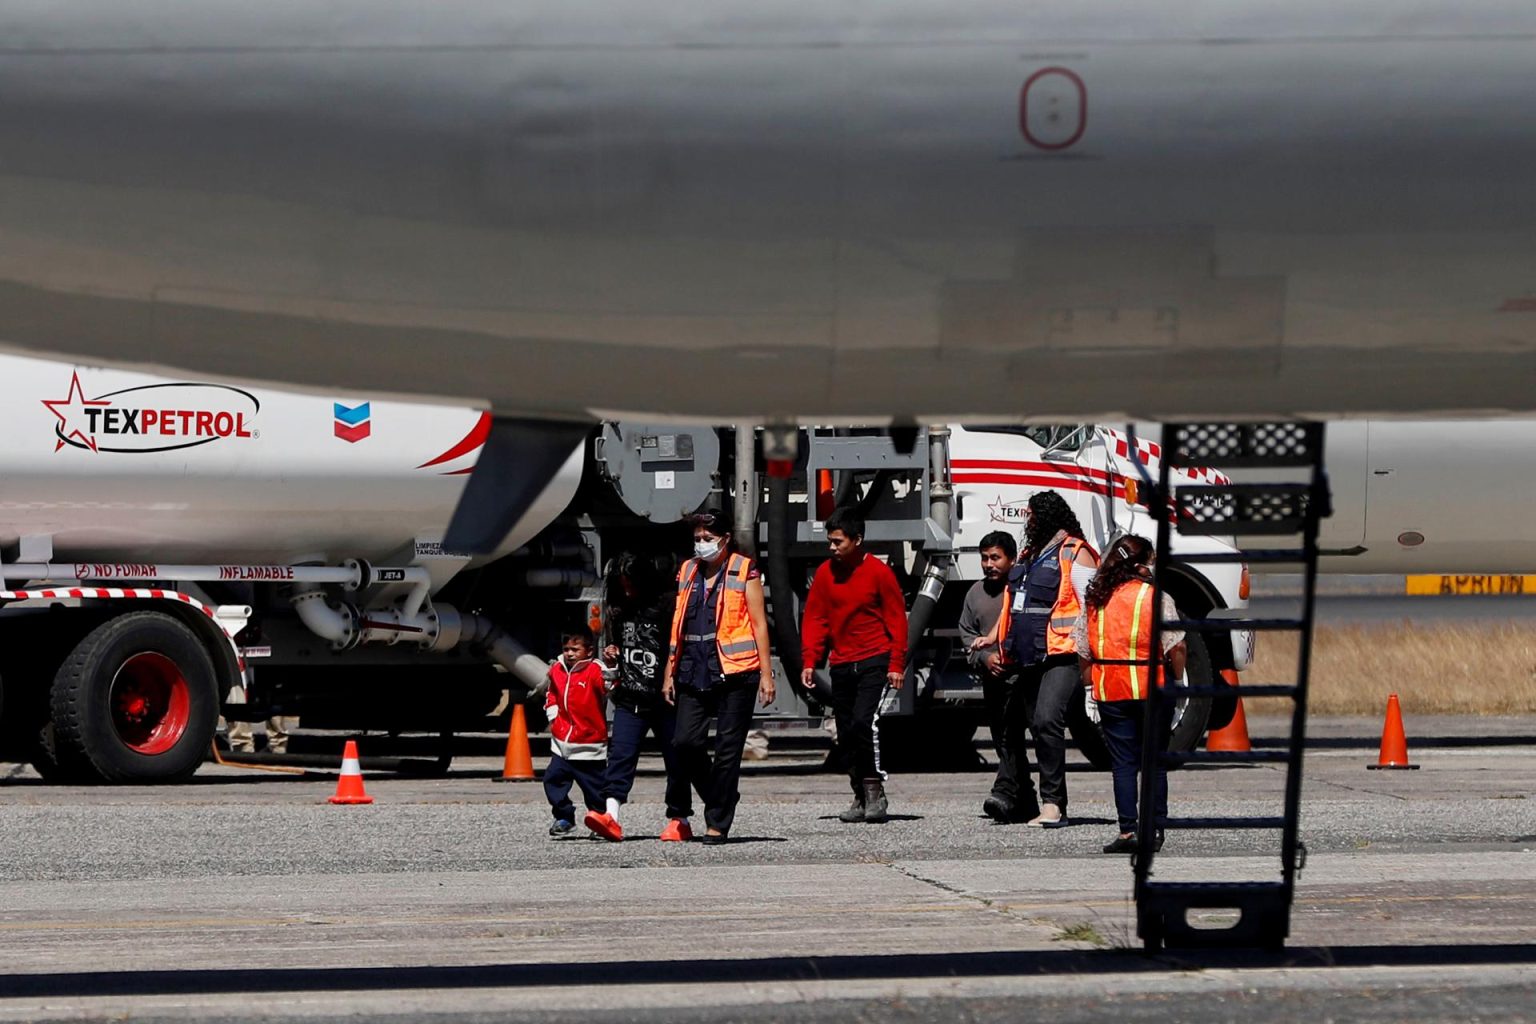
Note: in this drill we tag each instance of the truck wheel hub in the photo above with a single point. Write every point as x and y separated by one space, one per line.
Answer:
151 703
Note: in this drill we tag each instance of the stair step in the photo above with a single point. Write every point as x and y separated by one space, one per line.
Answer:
1253 556
1201 625
1244 690
1214 890
1242 445
1225 822
1227 757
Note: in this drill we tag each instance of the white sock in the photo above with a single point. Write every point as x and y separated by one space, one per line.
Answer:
613 808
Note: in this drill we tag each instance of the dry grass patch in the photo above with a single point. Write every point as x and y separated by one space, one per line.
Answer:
1435 670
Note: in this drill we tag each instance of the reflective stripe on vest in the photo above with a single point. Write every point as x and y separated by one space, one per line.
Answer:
734 639
1064 616
1121 632
1066 611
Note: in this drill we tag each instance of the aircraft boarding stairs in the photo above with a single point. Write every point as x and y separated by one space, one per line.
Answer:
1274 523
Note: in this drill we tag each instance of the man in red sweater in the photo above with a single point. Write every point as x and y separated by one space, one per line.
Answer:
856 609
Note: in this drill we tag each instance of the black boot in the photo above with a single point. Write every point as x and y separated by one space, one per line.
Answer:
855 812
874 802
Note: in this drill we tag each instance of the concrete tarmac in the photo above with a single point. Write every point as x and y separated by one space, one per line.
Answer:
246 897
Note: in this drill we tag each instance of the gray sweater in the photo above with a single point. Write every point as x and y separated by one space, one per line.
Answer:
983 604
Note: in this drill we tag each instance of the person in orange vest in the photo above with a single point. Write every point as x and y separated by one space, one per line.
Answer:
717 661
1115 633
1033 641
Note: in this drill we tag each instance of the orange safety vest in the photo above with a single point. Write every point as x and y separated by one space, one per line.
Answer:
1067 609
1121 631
733 636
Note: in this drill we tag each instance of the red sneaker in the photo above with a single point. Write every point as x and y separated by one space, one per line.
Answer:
604 826
677 831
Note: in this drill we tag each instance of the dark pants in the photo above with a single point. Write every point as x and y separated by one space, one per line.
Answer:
1007 720
858 687
557 785
1048 691
728 704
625 736
1122 722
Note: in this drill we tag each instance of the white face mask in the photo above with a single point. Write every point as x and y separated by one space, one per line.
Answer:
706 549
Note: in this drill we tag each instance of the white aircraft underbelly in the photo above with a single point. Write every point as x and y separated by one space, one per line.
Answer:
831 210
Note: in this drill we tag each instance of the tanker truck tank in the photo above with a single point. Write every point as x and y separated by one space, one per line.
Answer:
167 541
124 467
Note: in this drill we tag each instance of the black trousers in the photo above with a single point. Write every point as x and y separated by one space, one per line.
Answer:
629 728
1048 691
858 687
557 785
1007 720
717 777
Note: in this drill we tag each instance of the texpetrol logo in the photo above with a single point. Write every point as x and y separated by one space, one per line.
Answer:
1008 512
152 417
353 423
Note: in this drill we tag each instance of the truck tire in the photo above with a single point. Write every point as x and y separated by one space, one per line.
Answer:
1190 716
45 761
135 701
1193 713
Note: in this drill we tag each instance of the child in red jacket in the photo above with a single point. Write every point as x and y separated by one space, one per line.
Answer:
577 706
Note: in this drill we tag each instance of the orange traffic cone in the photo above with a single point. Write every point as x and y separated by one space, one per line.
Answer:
349 788
826 497
1234 735
518 764
1394 745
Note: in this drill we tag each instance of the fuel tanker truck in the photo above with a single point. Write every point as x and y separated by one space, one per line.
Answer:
167 541
175 548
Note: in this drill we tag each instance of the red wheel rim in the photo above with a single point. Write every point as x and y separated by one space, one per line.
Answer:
151 703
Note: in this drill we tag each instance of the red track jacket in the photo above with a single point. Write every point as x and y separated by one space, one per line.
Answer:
577 706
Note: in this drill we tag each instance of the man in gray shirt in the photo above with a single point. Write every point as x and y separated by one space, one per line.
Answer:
983 604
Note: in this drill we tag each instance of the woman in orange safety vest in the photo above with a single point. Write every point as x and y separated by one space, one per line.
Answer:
717 662
1032 643
1112 643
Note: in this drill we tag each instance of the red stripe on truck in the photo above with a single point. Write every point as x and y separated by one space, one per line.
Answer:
1020 466
1054 483
472 440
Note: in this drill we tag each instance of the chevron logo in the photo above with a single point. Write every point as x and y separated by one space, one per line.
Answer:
353 422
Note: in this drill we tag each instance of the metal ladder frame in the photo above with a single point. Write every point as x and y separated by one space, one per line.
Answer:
1240 509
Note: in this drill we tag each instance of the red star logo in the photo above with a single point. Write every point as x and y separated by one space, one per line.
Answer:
1005 511
75 400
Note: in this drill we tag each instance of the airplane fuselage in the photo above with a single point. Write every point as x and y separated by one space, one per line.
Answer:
832 210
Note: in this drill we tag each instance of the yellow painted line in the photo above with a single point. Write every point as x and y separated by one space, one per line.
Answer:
1460 586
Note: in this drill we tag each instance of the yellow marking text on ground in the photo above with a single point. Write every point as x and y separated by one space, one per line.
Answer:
1483 586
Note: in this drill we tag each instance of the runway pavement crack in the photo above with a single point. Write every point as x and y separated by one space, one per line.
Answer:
1361 790
1118 937
943 886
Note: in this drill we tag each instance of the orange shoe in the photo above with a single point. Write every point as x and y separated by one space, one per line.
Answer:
604 826
677 831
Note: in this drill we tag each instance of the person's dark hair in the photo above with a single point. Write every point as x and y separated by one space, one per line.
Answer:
848 521
1001 540
584 635
1049 513
1120 567
713 520
650 576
